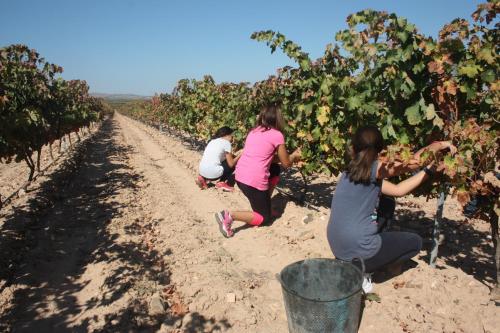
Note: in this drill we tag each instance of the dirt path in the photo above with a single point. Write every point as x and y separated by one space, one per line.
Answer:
76 247
205 266
131 232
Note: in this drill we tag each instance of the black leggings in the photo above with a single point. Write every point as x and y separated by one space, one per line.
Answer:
227 174
260 200
397 246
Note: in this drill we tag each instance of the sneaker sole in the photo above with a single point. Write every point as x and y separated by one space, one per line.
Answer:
225 189
219 219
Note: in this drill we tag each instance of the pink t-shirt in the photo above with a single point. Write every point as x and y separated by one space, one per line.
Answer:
252 168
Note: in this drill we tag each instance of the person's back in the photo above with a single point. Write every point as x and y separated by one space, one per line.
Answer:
213 156
352 230
260 147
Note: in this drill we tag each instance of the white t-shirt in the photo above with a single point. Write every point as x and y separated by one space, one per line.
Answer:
214 154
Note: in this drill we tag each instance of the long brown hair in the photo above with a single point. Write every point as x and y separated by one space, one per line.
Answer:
367 142
270 117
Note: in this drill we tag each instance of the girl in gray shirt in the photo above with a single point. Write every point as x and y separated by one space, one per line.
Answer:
353 230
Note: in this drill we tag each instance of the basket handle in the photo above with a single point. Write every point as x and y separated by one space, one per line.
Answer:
363 269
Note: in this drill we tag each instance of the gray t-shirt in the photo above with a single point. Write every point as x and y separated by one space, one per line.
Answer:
352 229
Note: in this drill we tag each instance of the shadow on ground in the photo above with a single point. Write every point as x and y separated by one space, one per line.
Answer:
308 191
47 245
463 246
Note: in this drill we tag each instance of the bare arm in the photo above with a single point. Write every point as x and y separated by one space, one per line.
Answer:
404 187
232 159
385 170
286 159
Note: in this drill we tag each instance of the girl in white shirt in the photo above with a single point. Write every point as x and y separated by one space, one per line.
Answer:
218 161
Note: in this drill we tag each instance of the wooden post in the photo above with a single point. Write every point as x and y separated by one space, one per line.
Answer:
437 226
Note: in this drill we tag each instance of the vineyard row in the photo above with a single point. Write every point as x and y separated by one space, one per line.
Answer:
381 70
37 107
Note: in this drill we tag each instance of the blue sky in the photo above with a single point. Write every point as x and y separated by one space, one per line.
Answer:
146 46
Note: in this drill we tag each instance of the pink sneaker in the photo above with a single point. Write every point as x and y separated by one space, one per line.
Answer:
224 220
201 182
224 186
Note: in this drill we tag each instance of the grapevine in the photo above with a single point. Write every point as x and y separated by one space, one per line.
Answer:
36 107
381 70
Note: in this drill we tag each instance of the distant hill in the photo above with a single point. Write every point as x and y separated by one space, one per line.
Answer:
113 97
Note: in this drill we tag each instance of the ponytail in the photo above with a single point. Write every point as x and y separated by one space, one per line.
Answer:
360 166
366 144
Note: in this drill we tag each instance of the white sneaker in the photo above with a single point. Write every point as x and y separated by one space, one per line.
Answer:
367 283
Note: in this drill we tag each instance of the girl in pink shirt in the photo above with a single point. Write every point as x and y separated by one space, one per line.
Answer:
256 174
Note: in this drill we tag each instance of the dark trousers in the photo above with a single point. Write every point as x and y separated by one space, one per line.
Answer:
260 200
397 246
227 174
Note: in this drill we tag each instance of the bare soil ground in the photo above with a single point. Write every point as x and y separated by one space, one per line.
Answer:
118 238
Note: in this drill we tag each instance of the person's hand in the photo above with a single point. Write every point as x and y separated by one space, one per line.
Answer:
440 167
448 145
238 152
296 155
300 164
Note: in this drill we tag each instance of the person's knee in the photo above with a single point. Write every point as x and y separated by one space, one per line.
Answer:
257 219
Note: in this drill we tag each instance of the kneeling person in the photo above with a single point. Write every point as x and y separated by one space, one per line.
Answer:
218 161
